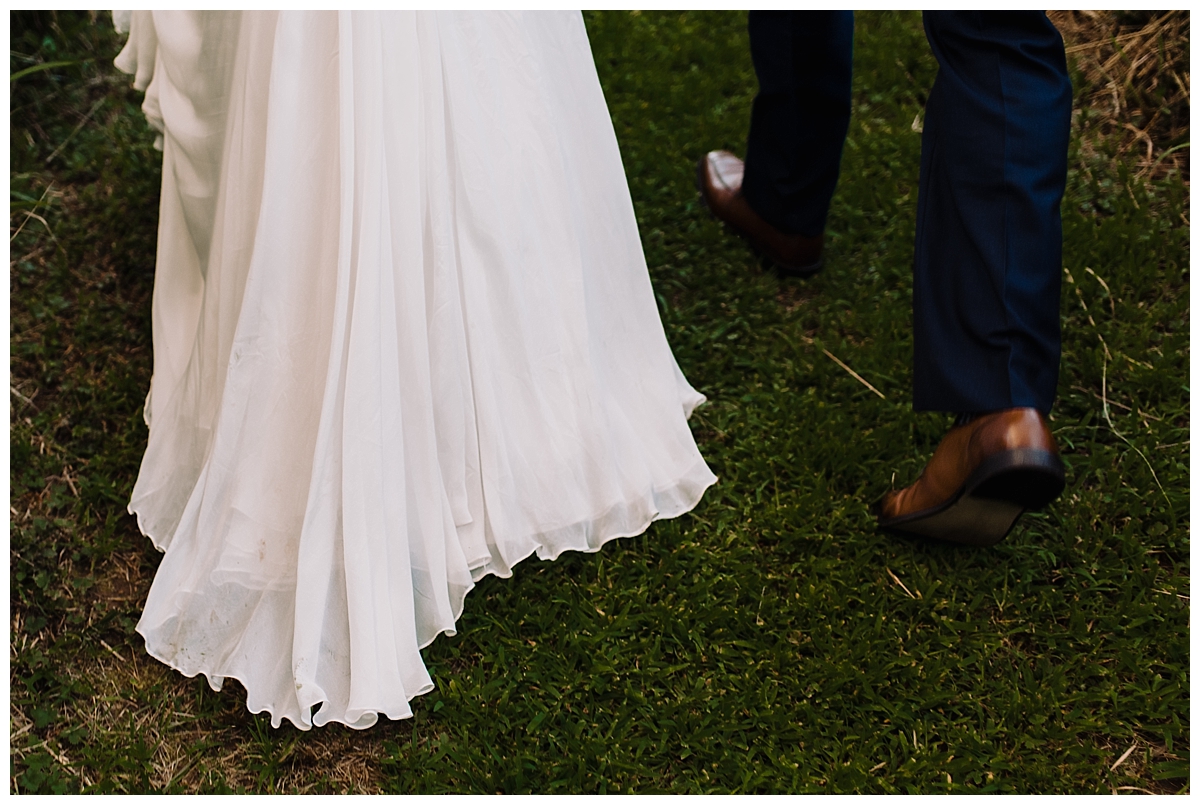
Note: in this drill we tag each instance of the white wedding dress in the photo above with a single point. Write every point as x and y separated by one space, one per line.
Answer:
404 337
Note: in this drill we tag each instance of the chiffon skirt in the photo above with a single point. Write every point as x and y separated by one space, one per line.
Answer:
404 337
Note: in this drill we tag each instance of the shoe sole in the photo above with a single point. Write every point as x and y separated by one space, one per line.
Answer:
770 263
986 508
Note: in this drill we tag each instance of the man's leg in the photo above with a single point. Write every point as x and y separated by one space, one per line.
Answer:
988 259
779 198
986 276
800 115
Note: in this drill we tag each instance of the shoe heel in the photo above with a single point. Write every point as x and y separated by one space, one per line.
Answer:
1002 489
1025 477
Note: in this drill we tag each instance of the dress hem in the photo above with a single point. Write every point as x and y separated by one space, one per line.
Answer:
695 481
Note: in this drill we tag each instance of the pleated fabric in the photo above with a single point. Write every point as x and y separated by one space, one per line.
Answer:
404 337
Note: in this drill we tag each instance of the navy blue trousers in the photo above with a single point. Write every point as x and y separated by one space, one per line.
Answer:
988 255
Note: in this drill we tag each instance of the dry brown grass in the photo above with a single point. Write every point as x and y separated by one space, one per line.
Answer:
1137 96
138 696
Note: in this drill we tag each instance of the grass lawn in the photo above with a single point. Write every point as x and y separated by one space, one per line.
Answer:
770 641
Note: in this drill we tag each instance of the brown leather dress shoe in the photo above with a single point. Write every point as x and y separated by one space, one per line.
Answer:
982 477
719 180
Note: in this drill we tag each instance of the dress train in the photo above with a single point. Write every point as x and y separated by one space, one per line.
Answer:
404 337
